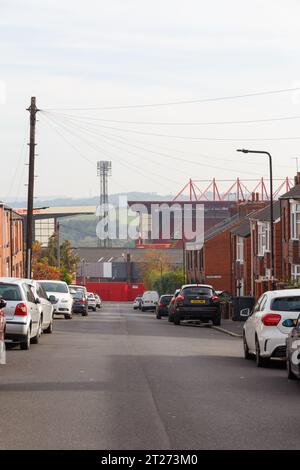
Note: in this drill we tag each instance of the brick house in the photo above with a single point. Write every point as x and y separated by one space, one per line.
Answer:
290 234
260 246
216 263
11 242
213 263
241 259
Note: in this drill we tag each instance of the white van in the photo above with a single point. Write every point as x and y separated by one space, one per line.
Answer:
150 299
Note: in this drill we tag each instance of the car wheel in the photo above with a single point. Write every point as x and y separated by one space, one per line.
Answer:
170 318
49 330
217 321
36 338
260 361
94 309
142 309
290 374
85 313
158 316
25 345
247 355
68 317
176 318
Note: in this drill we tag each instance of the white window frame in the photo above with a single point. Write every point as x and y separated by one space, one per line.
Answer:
295 220
240 249
263 238
295 272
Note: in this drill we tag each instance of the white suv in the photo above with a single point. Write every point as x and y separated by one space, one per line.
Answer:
59 289
22 312
268 326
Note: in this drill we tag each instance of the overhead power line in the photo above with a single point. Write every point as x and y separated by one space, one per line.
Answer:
194 101
161 123
208 139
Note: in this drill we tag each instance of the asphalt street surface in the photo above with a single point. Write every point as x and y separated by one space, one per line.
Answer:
121 379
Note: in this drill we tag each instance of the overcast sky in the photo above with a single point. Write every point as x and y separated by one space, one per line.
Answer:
95 53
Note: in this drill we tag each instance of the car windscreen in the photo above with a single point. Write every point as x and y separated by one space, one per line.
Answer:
10 292
286 304
198 291
55 287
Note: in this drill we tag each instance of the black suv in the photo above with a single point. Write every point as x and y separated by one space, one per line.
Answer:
197 302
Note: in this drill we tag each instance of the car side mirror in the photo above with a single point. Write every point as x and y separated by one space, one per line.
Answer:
2 303
245 312
37 301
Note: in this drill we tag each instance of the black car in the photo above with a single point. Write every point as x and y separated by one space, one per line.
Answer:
171 306
80 304
162 306
197 302
293 351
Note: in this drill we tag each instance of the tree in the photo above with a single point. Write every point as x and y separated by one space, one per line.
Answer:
168 282
45 263
155 264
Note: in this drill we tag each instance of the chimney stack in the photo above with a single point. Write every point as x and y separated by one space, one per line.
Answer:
297 178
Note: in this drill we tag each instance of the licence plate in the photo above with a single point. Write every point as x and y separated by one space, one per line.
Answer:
198 301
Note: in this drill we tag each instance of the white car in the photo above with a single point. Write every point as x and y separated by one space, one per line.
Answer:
149 301
137 303
91 301
45 305
59 289
22 312
268 326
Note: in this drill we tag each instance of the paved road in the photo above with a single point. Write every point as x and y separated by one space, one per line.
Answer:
124 380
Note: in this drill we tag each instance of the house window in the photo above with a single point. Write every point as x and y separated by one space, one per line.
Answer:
296 272
240 249
295 221
263 238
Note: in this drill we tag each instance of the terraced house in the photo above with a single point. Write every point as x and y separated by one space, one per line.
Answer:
11 242
290 234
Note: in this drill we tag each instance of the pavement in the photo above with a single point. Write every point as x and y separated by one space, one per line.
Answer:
230 327
120 379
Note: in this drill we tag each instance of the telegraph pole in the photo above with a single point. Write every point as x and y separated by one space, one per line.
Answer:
29 227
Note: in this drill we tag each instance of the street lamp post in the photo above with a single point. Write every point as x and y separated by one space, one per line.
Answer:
263 152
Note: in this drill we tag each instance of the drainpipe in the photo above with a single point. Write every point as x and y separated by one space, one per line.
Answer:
11 242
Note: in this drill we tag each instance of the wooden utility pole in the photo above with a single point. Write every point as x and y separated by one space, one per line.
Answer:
29 222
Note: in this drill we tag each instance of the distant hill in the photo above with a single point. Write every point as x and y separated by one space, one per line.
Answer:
65 201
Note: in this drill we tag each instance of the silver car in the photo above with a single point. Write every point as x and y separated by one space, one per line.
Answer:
22 312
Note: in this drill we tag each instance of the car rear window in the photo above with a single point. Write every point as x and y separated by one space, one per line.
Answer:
55 287
198 291
165 299
286 304
10 292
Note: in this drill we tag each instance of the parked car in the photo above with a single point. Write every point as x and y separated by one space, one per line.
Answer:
45 305
149 300
266 330
293 351
78 288
197 302
92 301
162 306
60 289
98 301
2 319
22 312
80 302
137 303
171 306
